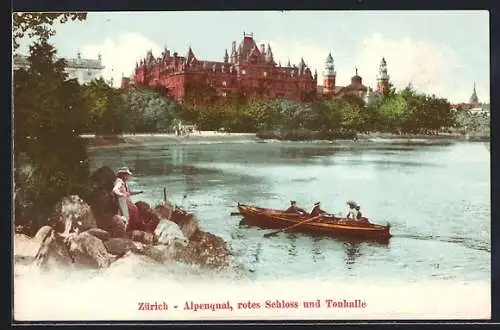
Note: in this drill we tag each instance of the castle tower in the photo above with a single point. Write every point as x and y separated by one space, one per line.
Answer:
473 98
329 76
383 78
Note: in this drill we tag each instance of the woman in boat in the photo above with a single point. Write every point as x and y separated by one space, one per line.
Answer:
295 209
352 212
127 208
317 210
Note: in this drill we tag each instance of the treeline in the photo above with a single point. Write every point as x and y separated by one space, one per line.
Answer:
138 110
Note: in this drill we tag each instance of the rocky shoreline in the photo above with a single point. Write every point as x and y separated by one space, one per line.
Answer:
90 235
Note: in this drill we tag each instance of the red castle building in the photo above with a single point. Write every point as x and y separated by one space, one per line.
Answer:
248 69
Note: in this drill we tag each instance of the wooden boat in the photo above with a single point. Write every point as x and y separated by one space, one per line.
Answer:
325 226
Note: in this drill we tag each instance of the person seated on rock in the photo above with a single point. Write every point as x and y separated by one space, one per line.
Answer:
294 209
317 210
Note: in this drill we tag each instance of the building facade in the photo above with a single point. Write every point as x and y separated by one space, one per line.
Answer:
329 89
247 69
84 70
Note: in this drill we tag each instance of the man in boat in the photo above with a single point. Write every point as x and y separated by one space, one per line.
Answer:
358 213
317 210
295 209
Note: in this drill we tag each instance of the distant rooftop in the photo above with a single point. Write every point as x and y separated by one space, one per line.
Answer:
74 63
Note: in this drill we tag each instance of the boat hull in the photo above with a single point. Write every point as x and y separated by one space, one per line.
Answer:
341 228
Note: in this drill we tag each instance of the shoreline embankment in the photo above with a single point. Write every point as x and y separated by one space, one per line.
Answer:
96 142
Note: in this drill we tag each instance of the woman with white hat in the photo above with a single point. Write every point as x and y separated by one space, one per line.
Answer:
122 191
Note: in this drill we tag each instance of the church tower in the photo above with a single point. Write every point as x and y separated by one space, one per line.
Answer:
383 78
473 98
329 76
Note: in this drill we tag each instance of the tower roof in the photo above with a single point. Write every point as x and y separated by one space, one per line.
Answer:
473 98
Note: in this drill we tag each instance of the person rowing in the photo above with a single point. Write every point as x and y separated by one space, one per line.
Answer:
294 209
317 210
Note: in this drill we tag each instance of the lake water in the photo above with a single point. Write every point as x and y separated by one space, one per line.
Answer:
436 196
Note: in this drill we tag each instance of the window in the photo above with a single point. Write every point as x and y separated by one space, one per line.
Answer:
265 74
224 94
243 71
224 83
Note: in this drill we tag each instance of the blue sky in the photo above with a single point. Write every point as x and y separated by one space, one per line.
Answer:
441 52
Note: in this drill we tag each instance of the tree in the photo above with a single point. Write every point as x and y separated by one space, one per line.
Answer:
50 159
39 25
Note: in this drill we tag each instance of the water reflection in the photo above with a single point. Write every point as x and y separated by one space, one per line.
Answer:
317 253
352 251
292 249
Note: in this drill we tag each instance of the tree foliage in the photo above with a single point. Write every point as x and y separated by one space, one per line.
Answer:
39 25
50 158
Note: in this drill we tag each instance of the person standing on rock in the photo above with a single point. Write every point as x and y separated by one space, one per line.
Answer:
123 193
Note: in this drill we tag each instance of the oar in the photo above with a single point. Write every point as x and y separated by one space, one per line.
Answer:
235 213
293 226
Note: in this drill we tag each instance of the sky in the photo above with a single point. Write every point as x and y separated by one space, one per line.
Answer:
438 52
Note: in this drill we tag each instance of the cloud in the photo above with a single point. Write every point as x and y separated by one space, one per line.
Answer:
430 68
120 54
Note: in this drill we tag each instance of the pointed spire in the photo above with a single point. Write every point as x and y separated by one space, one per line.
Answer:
226 57
474 99
356 69
315 74
288 64
269 54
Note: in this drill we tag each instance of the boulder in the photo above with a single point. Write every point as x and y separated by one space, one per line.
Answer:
120 246
186 221
169 233
160 253
72 214
53 253
114 225
99 233
88 251
149 217
205 249
143 237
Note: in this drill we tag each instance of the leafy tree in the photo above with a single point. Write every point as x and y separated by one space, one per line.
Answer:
49 156
39 25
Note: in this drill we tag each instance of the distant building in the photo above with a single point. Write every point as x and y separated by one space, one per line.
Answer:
356 87
249 69
474 106
84 70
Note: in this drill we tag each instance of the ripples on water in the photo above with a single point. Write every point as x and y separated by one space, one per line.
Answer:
436 195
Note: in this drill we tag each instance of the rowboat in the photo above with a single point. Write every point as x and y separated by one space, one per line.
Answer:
324 225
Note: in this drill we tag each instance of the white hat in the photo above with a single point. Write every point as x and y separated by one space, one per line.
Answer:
124 170
317 203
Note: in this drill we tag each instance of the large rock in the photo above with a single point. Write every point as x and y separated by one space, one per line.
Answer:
87 251
103 202
169 233
186 221
149 218
114 225
143 237
53 253
72 214
119 246
205 249
99 233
